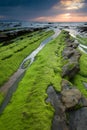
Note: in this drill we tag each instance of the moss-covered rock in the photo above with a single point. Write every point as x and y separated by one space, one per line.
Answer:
70 69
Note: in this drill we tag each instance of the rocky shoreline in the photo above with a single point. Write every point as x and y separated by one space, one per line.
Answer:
9 35
69 104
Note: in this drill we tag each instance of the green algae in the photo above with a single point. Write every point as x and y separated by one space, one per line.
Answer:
13 54
27 109
82 75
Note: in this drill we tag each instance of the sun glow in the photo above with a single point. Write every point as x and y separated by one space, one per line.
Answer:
68 14
70 4
67 17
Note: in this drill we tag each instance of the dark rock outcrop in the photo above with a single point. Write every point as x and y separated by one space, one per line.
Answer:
73 44
83 102
78 119
70 101
3 36
70 97
59 120
70 69
9 35
72 55
69 104
75 106
68 52
65 85
82 29
69 92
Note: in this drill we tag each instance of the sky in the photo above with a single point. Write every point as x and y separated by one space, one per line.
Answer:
44 10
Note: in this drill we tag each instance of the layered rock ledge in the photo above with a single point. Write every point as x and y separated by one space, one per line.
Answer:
9 35
72 56
69 104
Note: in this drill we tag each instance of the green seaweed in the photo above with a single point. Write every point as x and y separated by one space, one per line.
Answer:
82 75
12 55
27 106
82 40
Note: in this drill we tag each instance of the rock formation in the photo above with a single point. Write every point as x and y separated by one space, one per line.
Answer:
72 55
9 35
69 104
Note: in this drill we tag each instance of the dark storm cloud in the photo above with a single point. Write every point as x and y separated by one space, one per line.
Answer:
28 9
31 9
32 4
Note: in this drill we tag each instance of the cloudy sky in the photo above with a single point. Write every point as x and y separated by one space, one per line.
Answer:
44 10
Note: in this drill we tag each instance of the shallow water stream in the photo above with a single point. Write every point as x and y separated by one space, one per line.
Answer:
31 57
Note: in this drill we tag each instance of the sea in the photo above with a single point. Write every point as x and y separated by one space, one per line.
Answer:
18 25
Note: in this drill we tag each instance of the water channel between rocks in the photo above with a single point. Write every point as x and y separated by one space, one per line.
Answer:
11 86
73 33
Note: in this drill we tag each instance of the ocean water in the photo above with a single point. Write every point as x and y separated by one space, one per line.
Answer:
17 25
73 27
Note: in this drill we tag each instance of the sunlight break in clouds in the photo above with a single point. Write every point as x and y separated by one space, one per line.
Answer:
70 4
63 18
66 11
